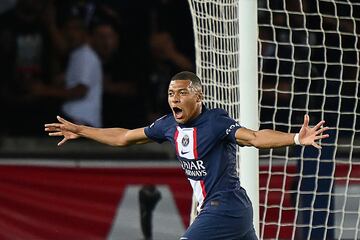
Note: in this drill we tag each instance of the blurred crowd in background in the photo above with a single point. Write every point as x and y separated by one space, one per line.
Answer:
108 63
309 48
100 63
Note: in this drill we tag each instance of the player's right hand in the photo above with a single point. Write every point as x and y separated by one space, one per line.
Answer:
63 128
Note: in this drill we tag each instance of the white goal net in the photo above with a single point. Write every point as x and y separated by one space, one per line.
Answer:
217 48
216 33
309 63
308 54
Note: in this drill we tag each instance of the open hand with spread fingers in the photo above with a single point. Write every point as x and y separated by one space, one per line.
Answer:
63 128
309 136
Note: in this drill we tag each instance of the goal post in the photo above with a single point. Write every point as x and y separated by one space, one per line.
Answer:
248 94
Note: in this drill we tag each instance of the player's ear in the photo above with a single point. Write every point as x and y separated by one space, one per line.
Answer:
199 97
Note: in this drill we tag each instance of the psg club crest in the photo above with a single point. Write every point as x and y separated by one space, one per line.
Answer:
185 140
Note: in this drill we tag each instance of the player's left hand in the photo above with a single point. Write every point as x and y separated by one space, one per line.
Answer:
64 128
309 136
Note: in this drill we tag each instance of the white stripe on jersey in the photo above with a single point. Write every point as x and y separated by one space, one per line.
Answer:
198 192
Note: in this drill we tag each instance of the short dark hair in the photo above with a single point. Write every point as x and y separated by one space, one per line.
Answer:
186 75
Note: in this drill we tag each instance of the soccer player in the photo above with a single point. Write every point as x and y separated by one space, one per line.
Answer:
204 140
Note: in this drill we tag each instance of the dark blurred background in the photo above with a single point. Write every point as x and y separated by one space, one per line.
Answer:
100 63
108 63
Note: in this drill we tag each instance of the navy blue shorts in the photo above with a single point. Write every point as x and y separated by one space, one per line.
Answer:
213 226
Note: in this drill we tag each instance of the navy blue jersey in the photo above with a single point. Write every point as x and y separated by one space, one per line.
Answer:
206 149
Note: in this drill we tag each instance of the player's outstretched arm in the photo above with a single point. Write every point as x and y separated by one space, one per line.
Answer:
111 136
268 138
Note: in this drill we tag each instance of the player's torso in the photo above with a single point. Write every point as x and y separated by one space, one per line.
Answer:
206 149
208 161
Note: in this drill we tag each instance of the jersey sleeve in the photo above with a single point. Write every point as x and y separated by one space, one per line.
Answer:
156 130
224 127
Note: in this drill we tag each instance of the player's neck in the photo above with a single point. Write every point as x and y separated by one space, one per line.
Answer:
197 113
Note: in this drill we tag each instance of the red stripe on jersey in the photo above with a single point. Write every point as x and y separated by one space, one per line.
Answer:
195 145
202 184
176 134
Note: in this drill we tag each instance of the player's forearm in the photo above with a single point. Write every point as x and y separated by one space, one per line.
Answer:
109 136
272 139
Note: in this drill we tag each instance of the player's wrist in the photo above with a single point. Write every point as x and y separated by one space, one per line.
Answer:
297 139
80 130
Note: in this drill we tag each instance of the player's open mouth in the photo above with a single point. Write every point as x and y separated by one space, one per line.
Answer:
178 112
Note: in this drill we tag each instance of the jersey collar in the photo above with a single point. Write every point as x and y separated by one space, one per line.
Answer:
195 120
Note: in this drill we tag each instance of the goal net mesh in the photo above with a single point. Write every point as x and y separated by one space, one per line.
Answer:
216 33
308 63
308 54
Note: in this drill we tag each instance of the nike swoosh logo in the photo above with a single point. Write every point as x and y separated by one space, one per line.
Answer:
184 152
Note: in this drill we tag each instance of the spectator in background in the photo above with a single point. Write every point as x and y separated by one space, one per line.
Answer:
82 90
25 60
171 49
174 17
83 77
166 59
119 74
120 83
